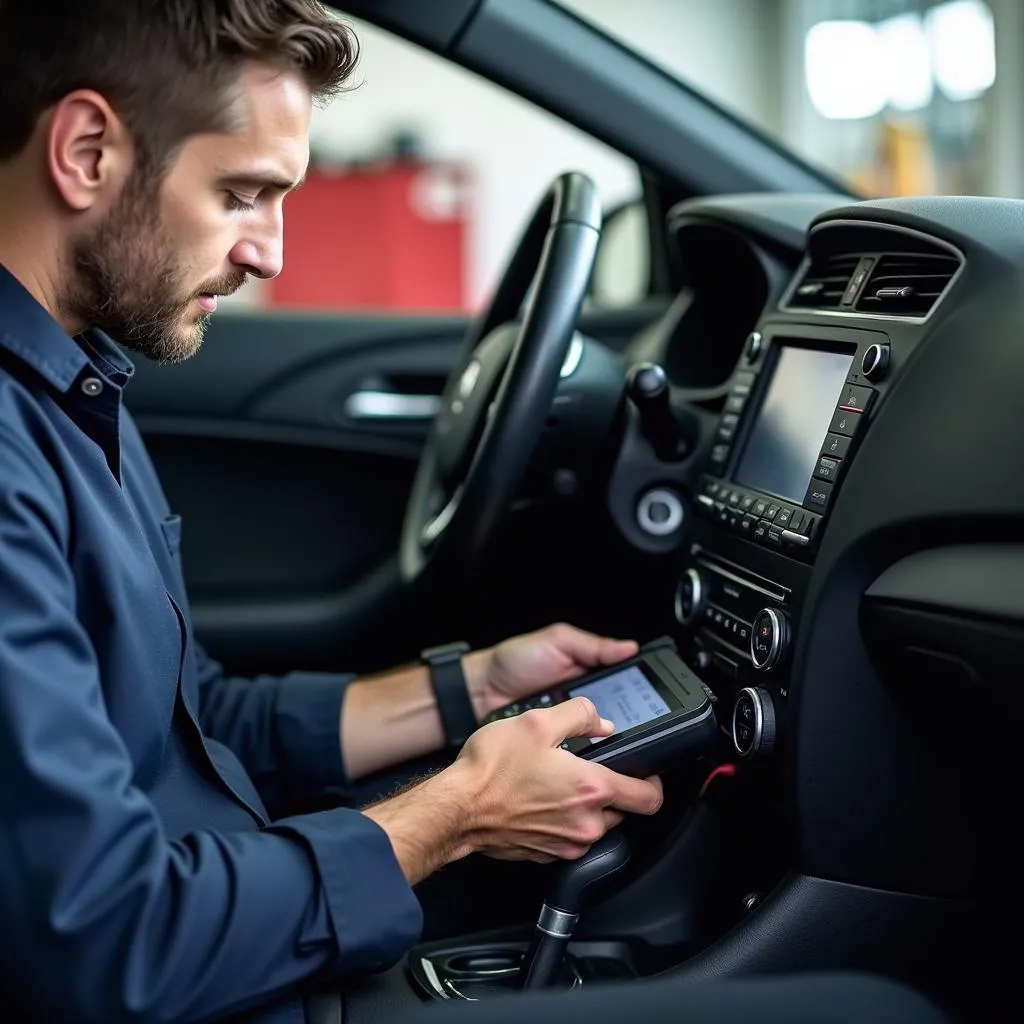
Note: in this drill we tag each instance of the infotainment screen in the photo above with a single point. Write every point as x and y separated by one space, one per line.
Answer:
782 450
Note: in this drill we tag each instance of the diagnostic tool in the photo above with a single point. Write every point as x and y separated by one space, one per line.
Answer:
660 709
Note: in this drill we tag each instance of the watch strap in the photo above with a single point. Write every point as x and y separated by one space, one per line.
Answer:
448 681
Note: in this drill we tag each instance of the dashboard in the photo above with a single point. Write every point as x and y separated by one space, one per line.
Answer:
848 564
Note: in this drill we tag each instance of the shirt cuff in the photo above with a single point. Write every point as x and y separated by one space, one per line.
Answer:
309 726
374 915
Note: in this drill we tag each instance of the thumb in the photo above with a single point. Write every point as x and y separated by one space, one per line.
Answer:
578 717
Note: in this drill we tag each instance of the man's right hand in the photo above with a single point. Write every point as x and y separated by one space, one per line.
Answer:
515 794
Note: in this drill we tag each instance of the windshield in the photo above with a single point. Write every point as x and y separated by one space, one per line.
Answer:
894 97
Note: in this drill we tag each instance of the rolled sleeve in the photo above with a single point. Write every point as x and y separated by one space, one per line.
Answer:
374 914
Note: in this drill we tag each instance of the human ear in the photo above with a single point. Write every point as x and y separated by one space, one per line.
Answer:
89 150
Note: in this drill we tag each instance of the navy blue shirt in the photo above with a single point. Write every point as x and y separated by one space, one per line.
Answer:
141 877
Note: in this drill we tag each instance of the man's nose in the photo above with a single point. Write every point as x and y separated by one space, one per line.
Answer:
263 259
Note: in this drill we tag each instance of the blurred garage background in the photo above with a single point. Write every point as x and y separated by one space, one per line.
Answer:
430 172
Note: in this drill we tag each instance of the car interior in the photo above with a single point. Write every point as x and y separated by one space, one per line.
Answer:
787 458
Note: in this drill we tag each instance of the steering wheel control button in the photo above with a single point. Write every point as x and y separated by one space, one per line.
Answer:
818 495
660 512
754 346
828 469
844 422
753 722
875 362
689 598
769 639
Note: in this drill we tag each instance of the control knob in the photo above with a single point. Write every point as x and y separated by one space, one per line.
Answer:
753 722
769 639
875 363
689 597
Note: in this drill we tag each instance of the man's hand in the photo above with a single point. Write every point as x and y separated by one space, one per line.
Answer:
515 794
530 663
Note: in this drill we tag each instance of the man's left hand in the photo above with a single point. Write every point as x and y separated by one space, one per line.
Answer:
533 662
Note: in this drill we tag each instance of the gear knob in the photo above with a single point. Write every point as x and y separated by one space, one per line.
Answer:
577 879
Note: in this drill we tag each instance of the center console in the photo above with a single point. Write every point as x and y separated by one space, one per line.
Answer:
796 409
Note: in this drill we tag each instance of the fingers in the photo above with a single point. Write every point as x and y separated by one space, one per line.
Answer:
611 818
576 717
590 650
635 796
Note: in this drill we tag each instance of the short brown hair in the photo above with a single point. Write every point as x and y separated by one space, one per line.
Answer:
167 67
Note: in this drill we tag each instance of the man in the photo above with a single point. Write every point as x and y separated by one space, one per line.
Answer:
146 149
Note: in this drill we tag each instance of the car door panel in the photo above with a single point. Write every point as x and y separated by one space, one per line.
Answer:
288 446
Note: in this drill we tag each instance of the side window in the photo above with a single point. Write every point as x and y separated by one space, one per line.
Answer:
421 178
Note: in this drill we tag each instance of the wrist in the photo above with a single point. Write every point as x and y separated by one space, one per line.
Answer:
477 668
429 825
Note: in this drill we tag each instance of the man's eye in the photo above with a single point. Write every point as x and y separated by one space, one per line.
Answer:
236 202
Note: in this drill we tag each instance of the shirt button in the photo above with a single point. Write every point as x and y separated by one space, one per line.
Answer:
92 386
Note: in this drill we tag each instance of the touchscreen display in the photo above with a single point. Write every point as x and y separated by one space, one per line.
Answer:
626 698
782 450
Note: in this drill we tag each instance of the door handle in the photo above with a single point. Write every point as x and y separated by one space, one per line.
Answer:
391 405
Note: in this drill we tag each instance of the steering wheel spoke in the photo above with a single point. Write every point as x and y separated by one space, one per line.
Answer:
499 395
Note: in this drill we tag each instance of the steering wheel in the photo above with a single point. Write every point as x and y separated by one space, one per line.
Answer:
497 398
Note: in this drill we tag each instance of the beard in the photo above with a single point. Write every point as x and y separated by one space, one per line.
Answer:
125 280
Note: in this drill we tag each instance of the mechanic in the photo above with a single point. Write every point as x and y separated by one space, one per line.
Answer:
146 148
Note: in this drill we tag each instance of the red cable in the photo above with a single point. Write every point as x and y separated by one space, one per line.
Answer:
723 771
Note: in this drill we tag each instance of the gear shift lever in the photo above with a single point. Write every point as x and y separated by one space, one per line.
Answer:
560 912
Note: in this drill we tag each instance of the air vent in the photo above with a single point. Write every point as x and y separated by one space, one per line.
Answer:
823 285
907 284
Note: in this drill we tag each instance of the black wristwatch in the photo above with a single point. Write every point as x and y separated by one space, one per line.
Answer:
449 682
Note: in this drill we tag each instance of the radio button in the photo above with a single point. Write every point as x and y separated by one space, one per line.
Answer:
784 518
844 422
828 469
775 535
734 403
747 525
855 398
727 426
836 446
761 530
760 507
746 501
719 454
772 511
733 498
709 486
818 495
797 522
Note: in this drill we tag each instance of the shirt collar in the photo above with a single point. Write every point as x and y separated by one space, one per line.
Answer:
29 332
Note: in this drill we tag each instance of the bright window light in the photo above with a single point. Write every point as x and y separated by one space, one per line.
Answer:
963 48
844 69
907 59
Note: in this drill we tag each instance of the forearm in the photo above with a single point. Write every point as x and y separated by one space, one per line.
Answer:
428 824
392 718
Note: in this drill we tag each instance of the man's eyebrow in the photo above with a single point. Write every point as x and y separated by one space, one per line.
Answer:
260 180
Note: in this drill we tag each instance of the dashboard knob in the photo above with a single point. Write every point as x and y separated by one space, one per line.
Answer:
769 639
753 722
875 363
754 346
690 597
